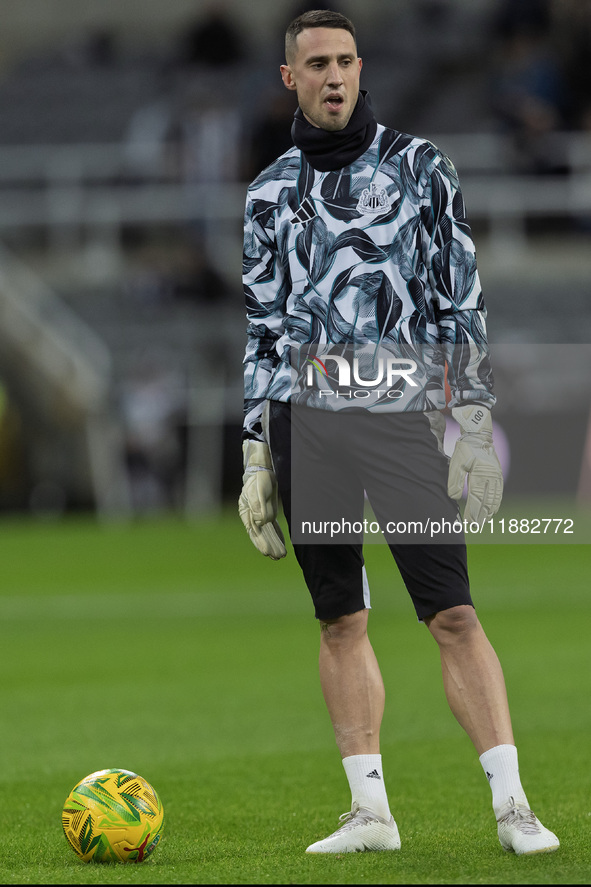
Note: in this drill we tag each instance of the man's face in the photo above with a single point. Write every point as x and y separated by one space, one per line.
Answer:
325 73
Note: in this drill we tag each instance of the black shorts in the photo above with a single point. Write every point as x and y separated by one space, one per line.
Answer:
324 457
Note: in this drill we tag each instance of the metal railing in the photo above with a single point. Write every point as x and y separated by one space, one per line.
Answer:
65 369
79 190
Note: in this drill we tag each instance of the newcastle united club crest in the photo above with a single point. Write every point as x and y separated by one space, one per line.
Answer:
374 200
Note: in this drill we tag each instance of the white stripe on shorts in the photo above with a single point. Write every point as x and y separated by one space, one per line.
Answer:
366 595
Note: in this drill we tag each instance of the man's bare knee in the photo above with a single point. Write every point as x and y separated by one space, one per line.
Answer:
344 628
454 624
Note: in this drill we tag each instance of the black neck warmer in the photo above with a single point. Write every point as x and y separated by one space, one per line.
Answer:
326 150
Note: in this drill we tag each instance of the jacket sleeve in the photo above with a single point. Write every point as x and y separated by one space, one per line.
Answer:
458 301
265 293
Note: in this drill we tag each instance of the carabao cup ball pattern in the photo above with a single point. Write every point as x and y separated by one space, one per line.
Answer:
113 816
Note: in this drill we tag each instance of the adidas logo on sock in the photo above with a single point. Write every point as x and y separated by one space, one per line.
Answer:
373 775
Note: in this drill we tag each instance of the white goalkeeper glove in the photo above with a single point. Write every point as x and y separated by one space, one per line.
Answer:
257 505
475 455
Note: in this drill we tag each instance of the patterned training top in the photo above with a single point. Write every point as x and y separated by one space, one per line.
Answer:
375 255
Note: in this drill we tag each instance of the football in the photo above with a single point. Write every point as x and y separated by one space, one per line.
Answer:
113 816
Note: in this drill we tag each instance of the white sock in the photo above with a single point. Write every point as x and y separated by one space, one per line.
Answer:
366 780
502 771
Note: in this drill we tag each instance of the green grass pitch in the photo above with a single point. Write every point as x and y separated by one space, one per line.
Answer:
174 649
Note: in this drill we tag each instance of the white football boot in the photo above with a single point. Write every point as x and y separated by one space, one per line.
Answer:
361 830
521 832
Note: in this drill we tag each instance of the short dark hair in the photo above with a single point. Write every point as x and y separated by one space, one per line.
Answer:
315 18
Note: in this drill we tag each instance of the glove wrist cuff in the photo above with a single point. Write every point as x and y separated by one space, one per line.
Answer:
256 455
473 417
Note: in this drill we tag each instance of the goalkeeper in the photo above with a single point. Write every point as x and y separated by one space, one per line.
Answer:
357 237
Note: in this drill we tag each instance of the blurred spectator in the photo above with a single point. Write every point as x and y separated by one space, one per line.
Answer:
528 88
149 140
299 7
271 133
192 132
95 49
148 287
13 469
522 16
185 274
434 14
153 406
213 39
210 138
204 119
196 281
572 19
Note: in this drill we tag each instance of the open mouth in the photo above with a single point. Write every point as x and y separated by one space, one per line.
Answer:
334 102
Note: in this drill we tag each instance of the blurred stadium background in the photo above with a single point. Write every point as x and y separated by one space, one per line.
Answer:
128 132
